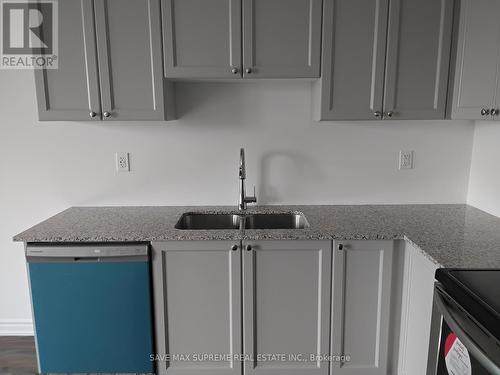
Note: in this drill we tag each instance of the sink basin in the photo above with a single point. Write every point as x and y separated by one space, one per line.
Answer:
276 221
202 221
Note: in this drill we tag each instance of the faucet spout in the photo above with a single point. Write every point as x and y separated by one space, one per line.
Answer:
244 199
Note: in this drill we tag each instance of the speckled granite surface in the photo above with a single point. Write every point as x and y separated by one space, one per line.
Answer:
451 235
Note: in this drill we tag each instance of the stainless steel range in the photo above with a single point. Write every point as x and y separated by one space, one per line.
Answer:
465 331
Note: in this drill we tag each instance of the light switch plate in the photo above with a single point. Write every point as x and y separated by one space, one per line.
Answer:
122 162
405 159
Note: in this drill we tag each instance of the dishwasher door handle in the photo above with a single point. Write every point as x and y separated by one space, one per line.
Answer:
90 251
463 336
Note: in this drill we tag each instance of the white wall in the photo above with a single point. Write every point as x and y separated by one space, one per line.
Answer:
47 167
484 183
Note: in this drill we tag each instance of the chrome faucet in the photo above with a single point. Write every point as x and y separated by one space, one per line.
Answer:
244 200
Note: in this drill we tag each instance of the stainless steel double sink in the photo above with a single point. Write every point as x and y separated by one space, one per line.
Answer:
203 221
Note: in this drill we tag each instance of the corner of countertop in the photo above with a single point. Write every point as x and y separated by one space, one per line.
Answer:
20 237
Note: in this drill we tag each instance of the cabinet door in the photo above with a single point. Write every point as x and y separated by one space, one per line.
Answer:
477 70
418 59
360 325
71 92
281 38
416 311
354 41
197 301
286 306
202 38
130 60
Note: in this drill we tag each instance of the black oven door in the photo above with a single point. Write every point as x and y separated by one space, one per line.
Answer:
461 346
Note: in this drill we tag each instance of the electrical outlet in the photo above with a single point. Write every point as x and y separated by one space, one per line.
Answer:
405 159
122 162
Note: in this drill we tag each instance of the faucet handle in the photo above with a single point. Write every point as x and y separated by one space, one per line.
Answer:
253 198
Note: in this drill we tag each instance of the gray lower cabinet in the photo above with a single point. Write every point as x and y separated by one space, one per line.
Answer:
416 311
110 64
197 300
281 289
242 38
286 306
384 60
362 274
477 74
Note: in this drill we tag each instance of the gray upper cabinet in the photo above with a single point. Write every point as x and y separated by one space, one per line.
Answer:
281 38
286 305
130 60
209 38
197 305
202 38
477 73
361 298
71 92
418 59
110 64
352 78
384 61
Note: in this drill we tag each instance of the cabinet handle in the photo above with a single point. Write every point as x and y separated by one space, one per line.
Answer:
340 247
248 71
249 247
485 112
234 70
377 114
495 111
389 114
92 114
234 247
107 114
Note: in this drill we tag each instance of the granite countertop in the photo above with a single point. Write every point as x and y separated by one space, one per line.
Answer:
451 235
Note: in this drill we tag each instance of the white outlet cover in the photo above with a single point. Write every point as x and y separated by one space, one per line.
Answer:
405 159
122 162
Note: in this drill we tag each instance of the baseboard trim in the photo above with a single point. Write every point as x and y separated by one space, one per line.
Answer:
16 327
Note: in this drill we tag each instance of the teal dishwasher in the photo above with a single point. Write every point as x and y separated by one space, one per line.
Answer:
91 308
